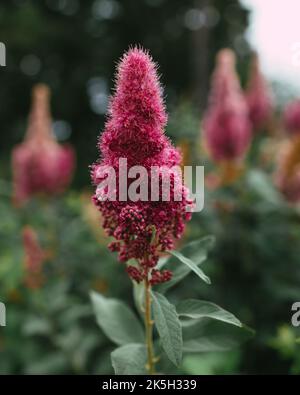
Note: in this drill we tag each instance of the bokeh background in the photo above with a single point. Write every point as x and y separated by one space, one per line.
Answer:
73 46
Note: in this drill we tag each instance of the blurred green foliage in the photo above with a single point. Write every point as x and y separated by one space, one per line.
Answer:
52 329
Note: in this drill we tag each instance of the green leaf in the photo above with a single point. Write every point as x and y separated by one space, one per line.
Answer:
211 363
196 251
208 335
262 186
116 320
192 265
197 309
36 326
139 296
52 363
129 359
168 326
162 262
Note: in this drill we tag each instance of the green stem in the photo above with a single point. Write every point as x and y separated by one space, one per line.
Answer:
149 329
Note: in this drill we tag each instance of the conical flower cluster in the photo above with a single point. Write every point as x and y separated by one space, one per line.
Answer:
135 131
226 124
258 97
40 164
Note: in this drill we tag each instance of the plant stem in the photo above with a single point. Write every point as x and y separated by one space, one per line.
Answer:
149 328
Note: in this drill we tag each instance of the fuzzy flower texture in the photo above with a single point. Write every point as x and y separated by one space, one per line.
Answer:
40 164
135 131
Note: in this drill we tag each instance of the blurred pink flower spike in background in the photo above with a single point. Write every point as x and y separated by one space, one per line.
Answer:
226 125
41 165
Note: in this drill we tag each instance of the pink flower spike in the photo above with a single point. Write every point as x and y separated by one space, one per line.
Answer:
226 125
40 164
135 131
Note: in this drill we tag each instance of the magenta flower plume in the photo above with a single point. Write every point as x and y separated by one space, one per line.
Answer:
291 117
258 96
40 164
135 131
226 124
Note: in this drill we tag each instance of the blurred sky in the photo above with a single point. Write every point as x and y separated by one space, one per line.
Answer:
274 32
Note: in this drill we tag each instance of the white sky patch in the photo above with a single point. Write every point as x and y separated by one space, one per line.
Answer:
274 32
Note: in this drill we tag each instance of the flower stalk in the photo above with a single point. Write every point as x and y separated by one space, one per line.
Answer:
149 328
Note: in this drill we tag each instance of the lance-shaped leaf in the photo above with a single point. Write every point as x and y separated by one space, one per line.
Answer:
207 335
168 326
117 320
197 309
192 265
196 251
129 359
